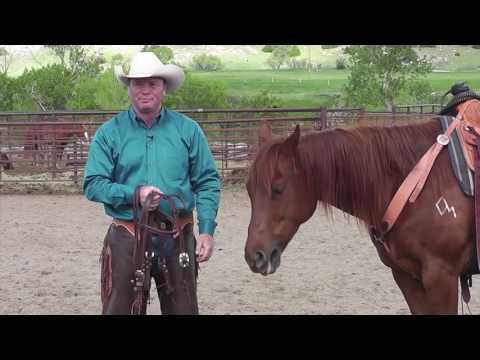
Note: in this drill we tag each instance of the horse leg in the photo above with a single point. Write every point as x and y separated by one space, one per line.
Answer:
412 290
441 288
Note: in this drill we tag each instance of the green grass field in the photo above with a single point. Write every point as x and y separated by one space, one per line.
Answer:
293 88
246 73
312 89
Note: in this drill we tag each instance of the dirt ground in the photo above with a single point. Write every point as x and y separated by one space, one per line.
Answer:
50 245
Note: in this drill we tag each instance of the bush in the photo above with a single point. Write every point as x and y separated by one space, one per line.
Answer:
340 64
164 53
198 93
6 93
205 62
329 46
260 100
475 46
51 86
117 59
109 93
268 48
297 64
83 97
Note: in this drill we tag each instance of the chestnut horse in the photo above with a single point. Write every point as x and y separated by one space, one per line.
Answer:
41 139
358 170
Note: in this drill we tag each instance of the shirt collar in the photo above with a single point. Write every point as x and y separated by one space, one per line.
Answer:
133 114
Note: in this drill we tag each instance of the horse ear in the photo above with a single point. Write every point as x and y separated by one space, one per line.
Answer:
291 142
265 133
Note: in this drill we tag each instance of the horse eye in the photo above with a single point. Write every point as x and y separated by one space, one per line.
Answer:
276 192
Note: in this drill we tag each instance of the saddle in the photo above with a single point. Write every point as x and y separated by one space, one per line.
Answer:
148 224
469 131
467 126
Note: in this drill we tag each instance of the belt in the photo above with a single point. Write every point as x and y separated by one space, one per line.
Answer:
130 227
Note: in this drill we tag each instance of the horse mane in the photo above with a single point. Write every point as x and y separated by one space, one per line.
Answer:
263 168
357 169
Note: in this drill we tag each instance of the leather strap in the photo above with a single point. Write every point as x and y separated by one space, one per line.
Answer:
415 181
142 254
477 199
128 225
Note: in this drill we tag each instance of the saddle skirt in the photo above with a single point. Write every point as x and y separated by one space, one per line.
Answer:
469 129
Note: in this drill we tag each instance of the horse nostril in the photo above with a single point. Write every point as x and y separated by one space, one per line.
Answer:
275 257
260 259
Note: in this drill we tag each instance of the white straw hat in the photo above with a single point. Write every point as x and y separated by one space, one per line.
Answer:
147 64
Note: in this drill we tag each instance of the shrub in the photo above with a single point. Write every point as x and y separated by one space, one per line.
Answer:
51 86
164 53
340 64
198 93
205 62
260 100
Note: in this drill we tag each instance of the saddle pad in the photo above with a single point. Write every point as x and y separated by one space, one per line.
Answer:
462 172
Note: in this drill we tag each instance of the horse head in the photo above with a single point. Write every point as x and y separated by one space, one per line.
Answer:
280 199
5 162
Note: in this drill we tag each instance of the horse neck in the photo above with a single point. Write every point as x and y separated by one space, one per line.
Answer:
352 171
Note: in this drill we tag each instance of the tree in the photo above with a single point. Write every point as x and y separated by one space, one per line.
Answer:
292 50
5 60
76 59
6 92
109 93
198 93
50 87
60 51
280 54
81 64
164 53
205 62
83 95
379 73
117 59
268 48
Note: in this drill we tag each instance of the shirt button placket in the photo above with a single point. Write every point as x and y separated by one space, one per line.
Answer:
150 157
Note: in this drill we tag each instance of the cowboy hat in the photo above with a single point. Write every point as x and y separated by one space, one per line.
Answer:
147 64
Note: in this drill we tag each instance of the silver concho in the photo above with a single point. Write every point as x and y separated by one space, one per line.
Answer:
183 259
443 139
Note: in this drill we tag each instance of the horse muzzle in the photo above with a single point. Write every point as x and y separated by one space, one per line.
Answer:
264 262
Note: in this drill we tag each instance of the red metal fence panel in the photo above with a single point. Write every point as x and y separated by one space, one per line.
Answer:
53 146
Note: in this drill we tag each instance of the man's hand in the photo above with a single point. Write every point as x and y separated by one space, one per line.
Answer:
144 191
204 247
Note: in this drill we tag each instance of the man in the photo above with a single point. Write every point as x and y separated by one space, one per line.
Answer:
162 151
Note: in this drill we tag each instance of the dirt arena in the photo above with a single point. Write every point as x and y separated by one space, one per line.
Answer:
50 245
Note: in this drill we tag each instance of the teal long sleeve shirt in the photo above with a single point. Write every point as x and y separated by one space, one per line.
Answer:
172 155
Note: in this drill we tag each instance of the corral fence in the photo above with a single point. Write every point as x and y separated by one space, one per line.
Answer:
53 146
418 108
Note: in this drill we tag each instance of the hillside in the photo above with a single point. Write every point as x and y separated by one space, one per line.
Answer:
248 57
